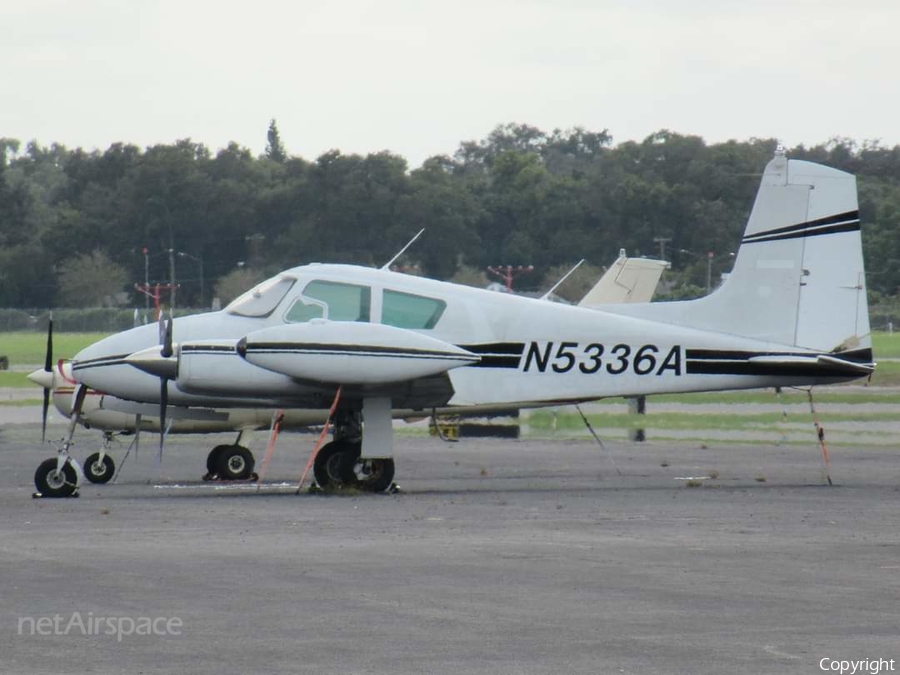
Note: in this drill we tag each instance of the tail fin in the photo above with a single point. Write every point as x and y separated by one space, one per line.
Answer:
627 280
798 277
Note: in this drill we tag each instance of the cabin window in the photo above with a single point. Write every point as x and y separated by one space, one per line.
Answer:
261 300
405 310
331 300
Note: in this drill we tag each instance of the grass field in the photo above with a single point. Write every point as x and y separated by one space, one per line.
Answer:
15 379
886 345
544 419
25 348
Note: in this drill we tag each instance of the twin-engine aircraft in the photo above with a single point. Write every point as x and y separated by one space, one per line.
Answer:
372 344
626 280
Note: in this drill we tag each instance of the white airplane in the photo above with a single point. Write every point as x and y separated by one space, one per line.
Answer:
626 280
373 344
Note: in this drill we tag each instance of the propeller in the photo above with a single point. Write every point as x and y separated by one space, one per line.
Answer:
48 368
165 332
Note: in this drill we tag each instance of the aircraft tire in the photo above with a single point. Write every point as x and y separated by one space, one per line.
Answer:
97 471
52 483
212 459
235 463
334 464
379 474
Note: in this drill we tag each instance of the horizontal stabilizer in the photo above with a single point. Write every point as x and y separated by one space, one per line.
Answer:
853 366
829 365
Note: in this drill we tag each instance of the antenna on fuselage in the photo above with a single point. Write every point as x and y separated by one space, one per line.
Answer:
559 283
390 262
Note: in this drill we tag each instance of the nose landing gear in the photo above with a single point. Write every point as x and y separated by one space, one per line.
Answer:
59 476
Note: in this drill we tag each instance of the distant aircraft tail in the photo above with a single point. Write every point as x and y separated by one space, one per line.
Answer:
626 280
798 277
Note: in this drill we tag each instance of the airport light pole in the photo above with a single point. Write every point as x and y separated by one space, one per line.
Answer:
172 277
662 241
199 261
510 272
146 282
710 255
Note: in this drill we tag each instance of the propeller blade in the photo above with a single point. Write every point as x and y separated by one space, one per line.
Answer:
48 357
168 349
48 368
44 409
163 404
137 435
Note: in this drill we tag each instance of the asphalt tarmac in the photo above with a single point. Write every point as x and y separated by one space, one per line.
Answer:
496 557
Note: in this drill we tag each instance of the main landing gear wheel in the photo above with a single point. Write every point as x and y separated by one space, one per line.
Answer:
212 461
53 482
235 463
374 475
97 471
333 467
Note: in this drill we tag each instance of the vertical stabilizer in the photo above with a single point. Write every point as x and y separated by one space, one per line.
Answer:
798 277
627 280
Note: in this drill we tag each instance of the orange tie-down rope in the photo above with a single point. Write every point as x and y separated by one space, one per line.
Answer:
312 457
820 433
277 419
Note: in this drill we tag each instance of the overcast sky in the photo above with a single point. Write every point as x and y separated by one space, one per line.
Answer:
418 77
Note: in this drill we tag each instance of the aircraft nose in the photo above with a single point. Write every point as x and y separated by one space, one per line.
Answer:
43 378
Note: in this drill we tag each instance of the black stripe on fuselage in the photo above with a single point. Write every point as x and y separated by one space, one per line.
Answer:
100 362
505 355
209 349
842 222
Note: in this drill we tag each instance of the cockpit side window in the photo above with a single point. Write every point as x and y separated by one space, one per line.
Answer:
262 299
331 300
405 310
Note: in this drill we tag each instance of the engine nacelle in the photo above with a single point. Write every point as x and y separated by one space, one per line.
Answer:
214 368
350 353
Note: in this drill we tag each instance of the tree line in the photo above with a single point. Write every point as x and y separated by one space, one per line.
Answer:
78 226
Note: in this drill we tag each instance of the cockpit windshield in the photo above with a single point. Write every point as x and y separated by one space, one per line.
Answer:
261 300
